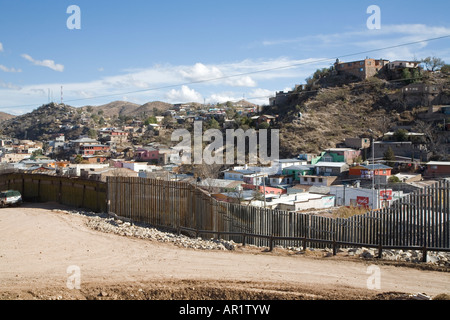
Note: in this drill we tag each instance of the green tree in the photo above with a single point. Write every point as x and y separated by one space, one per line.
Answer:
318 74
149 120
36 154
92 134
263 125
394 179
78 159
406 75
401 135
213 124
389 156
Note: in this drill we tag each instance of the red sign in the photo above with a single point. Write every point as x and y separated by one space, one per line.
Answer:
386 195
362 201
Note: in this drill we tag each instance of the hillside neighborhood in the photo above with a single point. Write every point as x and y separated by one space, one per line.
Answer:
366 171
254 154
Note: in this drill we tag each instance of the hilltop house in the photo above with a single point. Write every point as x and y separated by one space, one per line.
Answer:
362 69
397 64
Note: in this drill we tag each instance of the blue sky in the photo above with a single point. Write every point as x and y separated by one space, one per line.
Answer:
142 51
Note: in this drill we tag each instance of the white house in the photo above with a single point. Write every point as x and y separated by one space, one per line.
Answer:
279 164
331 168
135 166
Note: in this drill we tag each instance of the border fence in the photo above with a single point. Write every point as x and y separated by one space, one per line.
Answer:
73 192
420 220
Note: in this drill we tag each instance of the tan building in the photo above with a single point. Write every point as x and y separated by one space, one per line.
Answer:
362 69
14 157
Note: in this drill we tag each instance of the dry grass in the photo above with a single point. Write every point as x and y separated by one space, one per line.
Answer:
347 212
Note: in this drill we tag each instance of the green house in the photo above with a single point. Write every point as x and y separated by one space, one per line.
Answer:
298 171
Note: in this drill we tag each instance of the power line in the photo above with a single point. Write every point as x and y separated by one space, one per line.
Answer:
248 73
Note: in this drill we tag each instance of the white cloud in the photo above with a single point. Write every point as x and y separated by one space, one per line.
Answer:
201 72
389 36
6 69
153 83
244 81
8 85
185 94
44 63
1 47
222 97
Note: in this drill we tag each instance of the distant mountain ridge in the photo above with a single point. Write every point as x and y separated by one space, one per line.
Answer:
5 116
125 108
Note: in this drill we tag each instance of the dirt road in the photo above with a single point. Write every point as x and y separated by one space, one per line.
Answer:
44 253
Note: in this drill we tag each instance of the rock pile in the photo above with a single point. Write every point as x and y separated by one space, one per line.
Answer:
414 256
105 223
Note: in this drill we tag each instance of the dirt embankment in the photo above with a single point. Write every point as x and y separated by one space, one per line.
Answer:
44 253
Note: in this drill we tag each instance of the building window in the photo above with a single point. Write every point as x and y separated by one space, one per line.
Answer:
320 180
361 70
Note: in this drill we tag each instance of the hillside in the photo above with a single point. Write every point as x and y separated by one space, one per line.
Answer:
124 108
329 115
114 108
44 123
5 116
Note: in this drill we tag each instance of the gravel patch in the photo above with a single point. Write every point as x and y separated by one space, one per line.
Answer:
107 224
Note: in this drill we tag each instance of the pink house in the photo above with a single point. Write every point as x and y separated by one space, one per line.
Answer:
267 189
146 154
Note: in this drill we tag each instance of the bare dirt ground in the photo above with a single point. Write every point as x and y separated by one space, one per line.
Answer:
38 245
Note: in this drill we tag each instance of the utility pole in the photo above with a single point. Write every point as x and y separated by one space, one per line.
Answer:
373 168
373 173
264 191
